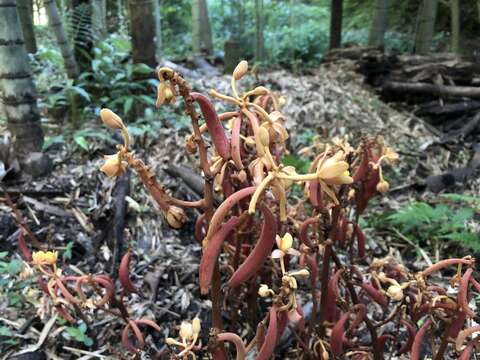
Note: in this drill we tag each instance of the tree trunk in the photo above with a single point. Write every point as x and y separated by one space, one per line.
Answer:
379 25
83 37
336 17
142 30
25 15
455 23
201 30
17 89
99 18
259 40
56 24
426 26
158 31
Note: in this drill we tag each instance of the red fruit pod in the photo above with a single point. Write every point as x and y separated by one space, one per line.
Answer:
211 253
457 324
362 168
260 335
127 344
445 263
236 157
303 233
464 334
336 337
65 292
282 322
375 294
43 285
236 340
270 337
411 332
200 228
22 246
215 128
224 208
219 353
260 252
124 273
467 352
417 341
462 296
360 241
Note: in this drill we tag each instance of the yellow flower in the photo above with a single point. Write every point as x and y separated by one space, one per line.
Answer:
334 171
165 94
284 245
113 165
44 257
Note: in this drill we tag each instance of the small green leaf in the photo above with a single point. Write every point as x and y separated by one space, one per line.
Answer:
127 105
81 141
3 254
5 331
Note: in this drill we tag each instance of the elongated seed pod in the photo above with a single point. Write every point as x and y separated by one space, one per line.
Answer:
475 284
236 157
224 208
270 337
22 246
200 230
138 335
282 322
464 334
150 323
336 337
332 293
417 342
362 168
375 294
236 340
462 297
457 324
66 294
303 233
124 273
411 332
467 352
219 353
445 263
211 253
101 280
361 310
360 241
260 252
215 128
43 284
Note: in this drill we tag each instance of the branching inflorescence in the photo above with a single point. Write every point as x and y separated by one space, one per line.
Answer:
275 245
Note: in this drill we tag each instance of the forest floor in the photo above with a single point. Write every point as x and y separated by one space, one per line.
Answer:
72 208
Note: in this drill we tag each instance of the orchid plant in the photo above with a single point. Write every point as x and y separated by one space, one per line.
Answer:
281 253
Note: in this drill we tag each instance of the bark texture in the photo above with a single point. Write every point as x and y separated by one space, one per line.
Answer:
142 30
426 26
56 24
158 31
201 30
379 25
455 25
17 90
259 25
25 14
336 20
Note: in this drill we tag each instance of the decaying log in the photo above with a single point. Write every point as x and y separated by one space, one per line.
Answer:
432 89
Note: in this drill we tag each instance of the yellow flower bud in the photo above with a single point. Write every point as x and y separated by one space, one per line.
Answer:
112 120
284 243
240 70
263 136
176 217
264 291
383 186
